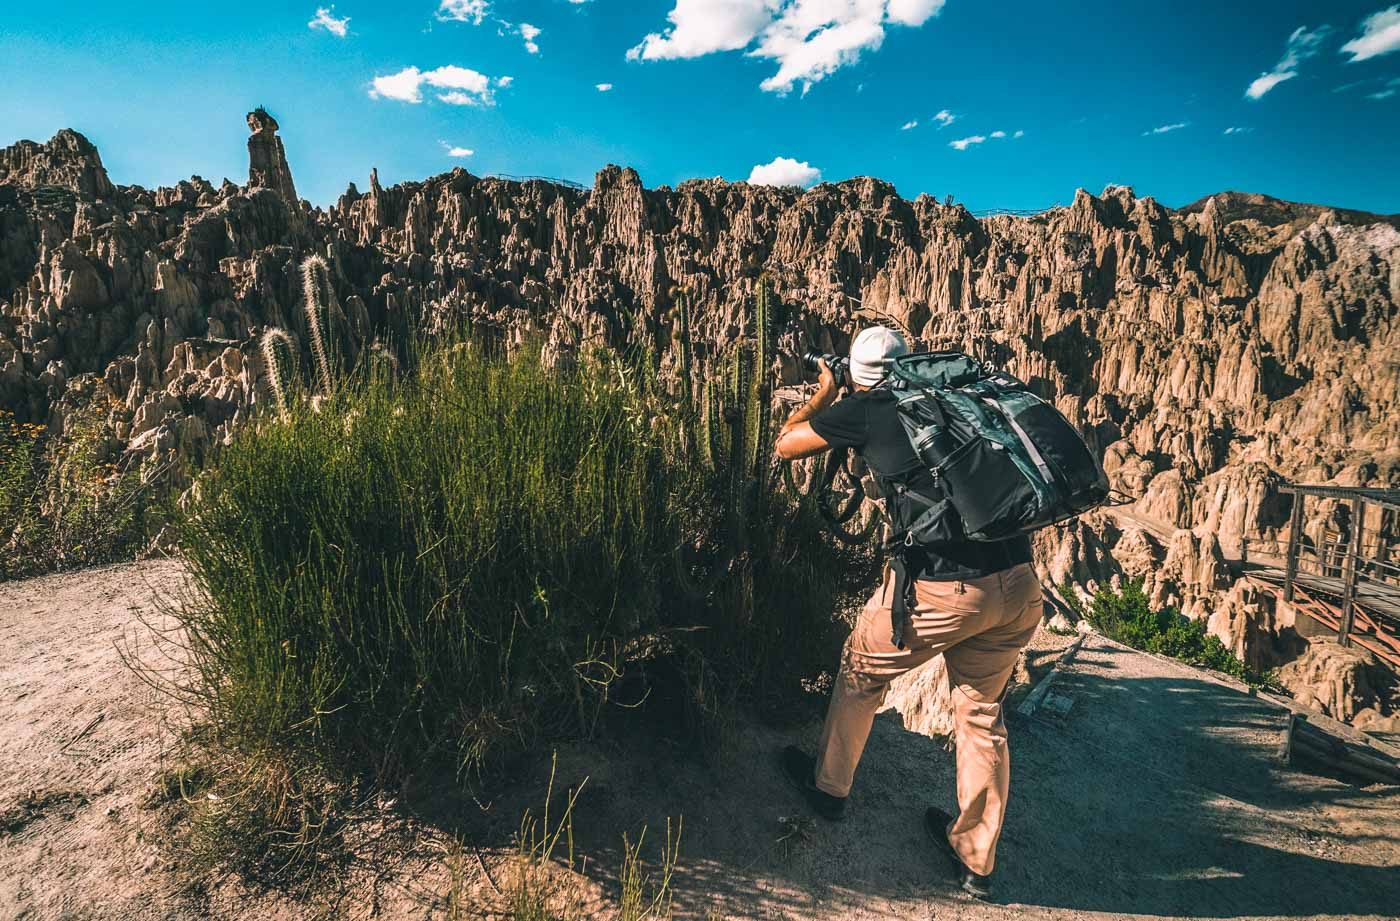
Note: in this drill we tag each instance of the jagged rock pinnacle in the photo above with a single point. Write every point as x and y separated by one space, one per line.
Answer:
267 160
68 160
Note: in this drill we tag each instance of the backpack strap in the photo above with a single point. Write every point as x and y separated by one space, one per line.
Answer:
898 545
899 605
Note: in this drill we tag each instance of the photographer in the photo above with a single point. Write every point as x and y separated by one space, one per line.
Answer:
978 603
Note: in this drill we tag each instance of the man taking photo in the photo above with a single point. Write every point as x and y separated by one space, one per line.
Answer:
978 603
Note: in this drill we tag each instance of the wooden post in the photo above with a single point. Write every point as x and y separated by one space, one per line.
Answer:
1358 511
1295 539
1284 753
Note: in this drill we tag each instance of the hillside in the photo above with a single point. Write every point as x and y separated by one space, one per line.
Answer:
1210 352
1273 212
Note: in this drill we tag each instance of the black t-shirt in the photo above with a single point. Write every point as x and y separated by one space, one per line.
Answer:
868 421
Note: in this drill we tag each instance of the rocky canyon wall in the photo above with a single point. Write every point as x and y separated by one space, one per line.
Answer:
1209 352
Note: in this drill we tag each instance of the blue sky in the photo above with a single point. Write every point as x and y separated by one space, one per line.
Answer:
1135 93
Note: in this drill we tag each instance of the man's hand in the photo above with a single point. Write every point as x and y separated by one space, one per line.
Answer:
797 439
826 382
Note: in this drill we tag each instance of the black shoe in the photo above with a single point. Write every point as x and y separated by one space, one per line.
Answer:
936 823
801 769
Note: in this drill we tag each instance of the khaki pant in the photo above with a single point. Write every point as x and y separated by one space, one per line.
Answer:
980 626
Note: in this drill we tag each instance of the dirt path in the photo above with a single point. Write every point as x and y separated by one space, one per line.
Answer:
1155 796
79 744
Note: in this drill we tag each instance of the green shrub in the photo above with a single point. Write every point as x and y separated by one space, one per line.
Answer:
1071 596
1128 617
64 502
467 560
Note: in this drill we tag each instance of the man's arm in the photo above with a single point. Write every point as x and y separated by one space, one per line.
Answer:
797 438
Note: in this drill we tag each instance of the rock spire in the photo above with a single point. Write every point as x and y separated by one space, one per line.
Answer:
267 160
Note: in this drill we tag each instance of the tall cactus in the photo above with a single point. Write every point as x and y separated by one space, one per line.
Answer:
760 409
277 376
729 431
316 299
734 419
704 437
683 346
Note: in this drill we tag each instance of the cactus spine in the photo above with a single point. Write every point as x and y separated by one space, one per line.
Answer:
733 421
316 299
705 436
276 376
682 336
760 408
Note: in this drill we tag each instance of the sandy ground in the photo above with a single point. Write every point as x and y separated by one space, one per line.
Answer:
1154 796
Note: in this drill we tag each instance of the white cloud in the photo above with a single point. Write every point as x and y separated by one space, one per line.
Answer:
603 87
913 12
700 27
944 118
472 11
325 19
403 86
809 39
1265 82
1235 130
914 123
785 171
1380 34
454 151
812 39
504 82
997 135
1163 129
530 33
466 87
1302 45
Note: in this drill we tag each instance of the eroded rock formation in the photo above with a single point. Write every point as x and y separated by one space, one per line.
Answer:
1209 352
267 160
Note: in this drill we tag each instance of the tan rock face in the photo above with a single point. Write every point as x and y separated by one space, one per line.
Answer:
68 161
923 699
1332 678
1210 353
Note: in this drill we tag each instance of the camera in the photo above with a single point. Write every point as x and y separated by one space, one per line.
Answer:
836 363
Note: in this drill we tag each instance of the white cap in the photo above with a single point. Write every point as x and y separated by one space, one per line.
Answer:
871 353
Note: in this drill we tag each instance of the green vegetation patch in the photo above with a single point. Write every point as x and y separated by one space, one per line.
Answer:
468 560
1128 617
66 501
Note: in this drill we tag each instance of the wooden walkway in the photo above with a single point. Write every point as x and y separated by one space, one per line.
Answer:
1375 609
1378 598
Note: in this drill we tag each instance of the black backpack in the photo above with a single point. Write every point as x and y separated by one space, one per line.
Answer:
1004 461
